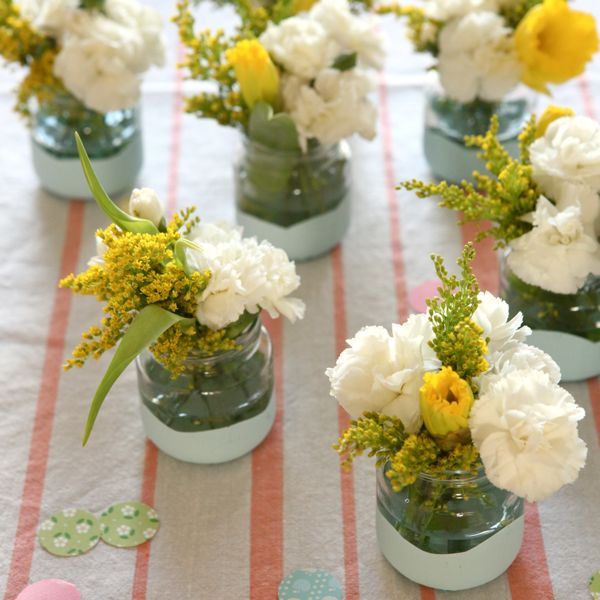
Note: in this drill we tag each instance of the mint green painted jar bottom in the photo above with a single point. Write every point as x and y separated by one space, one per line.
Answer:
64 177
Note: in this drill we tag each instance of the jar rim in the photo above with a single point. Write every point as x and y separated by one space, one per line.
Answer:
311 150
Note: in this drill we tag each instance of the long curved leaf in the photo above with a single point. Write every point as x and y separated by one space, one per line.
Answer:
179 251
118 216
147 325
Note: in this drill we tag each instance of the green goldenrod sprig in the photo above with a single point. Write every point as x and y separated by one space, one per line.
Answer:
458 341
502 198
513 14
380 434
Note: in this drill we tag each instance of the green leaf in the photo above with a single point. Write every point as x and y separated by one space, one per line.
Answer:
179 251
239 326
345 62
148 325
125 221
277 131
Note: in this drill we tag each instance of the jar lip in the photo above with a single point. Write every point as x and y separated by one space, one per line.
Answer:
456 476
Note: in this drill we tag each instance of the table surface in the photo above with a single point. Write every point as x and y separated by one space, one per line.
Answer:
234 531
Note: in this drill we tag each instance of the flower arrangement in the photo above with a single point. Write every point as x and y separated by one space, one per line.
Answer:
180 287
456 390
93 50
294 78
484 48
308 62
544 208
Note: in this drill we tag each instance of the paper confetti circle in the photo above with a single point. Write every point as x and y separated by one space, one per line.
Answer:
69 532
310 584
50 589
594 585
128 524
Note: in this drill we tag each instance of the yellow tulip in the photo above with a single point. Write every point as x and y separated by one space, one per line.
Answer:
550 115
445 401
554 43
255 72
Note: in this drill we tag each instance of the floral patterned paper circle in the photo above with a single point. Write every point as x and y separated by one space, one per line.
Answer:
310 584
128 524
594 585
69 532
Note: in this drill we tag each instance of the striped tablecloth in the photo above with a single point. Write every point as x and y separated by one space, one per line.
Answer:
233 531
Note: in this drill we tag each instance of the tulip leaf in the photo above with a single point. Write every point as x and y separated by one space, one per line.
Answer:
125 221
179 251
145 328
277 131
345 62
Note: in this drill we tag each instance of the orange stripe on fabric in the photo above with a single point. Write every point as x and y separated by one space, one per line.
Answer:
485 265
427 593
594 393
266 502
351 576
392 200
142 559
528 576
35 475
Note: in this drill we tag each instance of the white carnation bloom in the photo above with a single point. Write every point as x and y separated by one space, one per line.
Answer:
444 10
525 428
300 45
48 16
352 33
383 373
335 107
492 316
556 255
145 204
568 150
518 357
477 58
245 276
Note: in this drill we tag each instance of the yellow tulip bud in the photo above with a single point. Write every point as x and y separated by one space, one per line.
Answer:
554 43
550 115
445 401
255 72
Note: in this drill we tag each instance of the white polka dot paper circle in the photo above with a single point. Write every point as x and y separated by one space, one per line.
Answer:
310 584
70 532
128 524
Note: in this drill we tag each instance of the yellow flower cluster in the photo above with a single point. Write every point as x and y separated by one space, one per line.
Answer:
22 45
137 270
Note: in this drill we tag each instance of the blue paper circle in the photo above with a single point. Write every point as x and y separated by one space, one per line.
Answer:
310 584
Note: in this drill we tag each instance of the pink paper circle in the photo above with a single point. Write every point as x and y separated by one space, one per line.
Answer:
50 589
419 294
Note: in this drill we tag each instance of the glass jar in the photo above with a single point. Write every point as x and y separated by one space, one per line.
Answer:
566 326
448 121
112 141
219 408
449 534
297 200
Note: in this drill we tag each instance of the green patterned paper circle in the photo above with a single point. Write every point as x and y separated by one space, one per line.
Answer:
69 532
128 524
594 585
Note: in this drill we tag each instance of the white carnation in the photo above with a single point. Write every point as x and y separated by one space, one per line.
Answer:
383 373
351 33
525 428
300 45
146 204
518 357
568 150
245 276
101 249
477 58
556 255
444 10
333 108
492 316
48 16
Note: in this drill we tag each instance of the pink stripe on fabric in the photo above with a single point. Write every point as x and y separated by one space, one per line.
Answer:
142 559
586 96
392 200
266 502
528 576
485 264
427 593
35 475
351 575
594 393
